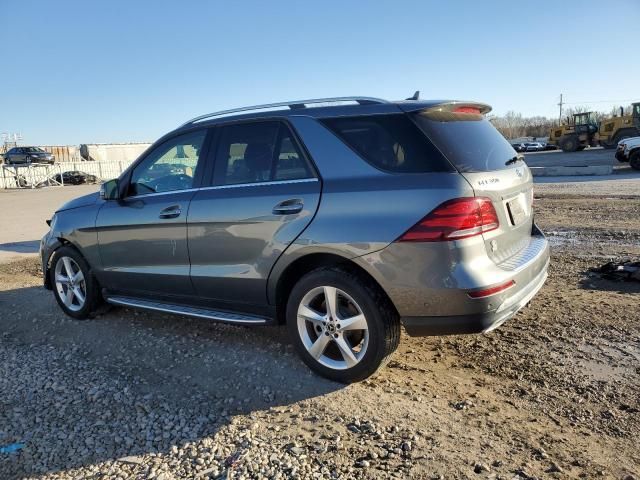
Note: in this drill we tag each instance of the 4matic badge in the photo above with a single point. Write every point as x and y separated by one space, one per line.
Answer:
488 181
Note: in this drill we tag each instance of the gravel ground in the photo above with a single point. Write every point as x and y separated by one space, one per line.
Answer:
551 394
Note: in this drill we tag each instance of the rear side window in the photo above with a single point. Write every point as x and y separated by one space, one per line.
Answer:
389 142
468 140
258 152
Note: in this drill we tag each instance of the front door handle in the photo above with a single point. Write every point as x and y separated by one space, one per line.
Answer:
173 211
288 207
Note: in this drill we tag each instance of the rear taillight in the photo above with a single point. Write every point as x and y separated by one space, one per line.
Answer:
487 292
467 110
454 220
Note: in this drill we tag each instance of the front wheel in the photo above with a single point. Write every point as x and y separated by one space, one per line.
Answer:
341 324
74 287
569 143
634 160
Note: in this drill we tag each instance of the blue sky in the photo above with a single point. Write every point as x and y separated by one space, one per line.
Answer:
116 71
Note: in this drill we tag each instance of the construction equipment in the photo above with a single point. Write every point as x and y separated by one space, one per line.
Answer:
576 134
618 128
583 130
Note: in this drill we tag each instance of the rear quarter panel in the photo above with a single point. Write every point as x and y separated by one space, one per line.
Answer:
362 209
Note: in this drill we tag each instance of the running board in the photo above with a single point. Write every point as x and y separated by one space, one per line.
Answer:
199 312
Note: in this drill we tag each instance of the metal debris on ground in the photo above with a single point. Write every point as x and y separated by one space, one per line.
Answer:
619 271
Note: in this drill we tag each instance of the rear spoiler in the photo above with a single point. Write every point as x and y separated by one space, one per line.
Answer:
448 106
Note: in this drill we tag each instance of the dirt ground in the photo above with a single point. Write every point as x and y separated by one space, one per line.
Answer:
551 394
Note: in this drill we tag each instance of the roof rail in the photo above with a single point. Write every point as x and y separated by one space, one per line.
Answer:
298 104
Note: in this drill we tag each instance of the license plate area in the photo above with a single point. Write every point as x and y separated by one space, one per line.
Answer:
517 215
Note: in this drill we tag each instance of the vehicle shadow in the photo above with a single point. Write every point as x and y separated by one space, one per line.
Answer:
30 246
591 281
128 383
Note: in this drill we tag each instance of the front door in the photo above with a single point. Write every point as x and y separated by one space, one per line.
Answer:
143 237
264 194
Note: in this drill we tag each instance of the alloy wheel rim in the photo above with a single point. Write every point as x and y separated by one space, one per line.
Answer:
70 283
332 327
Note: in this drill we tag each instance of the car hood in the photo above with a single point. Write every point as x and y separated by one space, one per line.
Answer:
633 141
83 201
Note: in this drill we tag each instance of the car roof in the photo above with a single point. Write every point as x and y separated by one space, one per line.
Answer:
321 108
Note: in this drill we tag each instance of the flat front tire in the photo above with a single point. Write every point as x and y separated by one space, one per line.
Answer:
343 327
74 287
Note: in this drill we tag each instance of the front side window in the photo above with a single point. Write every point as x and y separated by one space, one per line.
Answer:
170 166
258 152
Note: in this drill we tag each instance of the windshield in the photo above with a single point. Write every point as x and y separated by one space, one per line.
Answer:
468 141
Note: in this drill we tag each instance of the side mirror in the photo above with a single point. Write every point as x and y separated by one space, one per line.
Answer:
109 190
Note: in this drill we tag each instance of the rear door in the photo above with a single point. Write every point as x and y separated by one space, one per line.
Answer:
263 194
491 165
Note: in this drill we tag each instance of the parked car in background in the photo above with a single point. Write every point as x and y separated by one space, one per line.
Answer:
343 218
519 147
28 155
74 177
628 150
533 147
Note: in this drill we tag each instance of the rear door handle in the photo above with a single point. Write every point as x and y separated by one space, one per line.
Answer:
173 211
288 207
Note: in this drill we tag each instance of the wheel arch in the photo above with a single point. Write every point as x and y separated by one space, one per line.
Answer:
295 270
57 244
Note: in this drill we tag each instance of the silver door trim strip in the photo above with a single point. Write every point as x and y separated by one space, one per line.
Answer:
255 184
222 187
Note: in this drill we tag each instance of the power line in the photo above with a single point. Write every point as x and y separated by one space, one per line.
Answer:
602 101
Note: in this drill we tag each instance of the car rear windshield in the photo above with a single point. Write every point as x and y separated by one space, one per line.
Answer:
467 140
392 143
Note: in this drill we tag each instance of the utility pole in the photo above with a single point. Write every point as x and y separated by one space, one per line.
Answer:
560 104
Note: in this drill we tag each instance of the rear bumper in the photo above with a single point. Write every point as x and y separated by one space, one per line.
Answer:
429 283
476 323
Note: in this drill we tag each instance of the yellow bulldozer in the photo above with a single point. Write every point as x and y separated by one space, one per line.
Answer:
583 130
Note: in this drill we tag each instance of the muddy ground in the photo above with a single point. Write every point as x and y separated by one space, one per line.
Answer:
554 393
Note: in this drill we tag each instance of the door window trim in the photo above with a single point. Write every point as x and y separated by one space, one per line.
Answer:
199 174
224 187
211 175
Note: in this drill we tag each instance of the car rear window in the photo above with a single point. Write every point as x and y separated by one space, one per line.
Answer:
467 140
391 143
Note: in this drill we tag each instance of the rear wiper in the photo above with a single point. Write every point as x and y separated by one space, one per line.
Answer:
517 158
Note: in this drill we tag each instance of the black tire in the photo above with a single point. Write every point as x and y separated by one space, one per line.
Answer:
622 134
383 322
93 297
581 147
634 160
569 143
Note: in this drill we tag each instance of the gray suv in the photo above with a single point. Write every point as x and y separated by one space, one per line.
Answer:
342 218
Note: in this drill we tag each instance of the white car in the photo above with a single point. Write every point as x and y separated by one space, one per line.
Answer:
629 151
533 147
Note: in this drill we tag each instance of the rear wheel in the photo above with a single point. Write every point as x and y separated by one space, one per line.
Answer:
341 324
74 287
623 134
569 143
634 160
